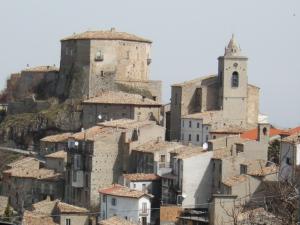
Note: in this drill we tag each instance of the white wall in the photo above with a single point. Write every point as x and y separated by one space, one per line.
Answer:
130 208
197 179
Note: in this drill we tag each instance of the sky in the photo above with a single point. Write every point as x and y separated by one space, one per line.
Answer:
188 36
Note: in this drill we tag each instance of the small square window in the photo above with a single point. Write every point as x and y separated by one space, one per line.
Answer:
198 125
190 123
190 137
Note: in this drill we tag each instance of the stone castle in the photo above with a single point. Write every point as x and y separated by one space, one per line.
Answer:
91 63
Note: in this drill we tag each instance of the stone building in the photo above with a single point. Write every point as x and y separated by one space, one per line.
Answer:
26 182
289 156
55 212
98 156
54 143
119 105
57 161
97 61
153 157
219 101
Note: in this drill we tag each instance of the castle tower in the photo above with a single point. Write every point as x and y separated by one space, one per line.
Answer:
233 83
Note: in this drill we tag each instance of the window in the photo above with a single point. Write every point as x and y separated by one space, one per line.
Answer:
190 137
86 180
198 125
288 161
198 137
144 207
190 123
243 169
74 176
104 198
68 221
176 99
162 158
144 187
235 79
134 185
206 138
99 56
114 201
182 136
265 131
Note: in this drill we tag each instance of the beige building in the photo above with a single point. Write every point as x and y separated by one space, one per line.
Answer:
54 143
55 212
115 220
119 105
98 156
25 182
57 161
97 61
222 101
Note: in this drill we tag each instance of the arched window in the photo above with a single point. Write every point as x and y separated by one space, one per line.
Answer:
235 79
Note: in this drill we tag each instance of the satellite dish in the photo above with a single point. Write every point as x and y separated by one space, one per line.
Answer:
205 146
184 195
99 117
76 143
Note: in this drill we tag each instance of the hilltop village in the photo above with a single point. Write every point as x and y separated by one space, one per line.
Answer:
90 142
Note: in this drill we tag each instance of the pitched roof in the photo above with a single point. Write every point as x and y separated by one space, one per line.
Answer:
197 80
91 133
57 138
126 123
41 69
122 191
234 180
294 138
57 155
141 176
30 218
24 162
121 98
116 221
264 171
189 151
106 35
157 145
34 173
67 208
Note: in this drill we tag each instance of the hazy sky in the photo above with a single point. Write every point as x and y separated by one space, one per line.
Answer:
187 36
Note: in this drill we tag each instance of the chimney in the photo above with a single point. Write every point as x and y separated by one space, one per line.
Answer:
263 132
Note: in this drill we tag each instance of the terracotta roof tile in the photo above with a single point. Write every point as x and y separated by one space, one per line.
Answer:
221 153
197 80
261 172
116 221
126 123
57 138
41 173
121 98
158 145
234 180
207 117
91 133
122 191
30 218
3 204
25 162
106 35
189 151
253 134
294 138
57 155
141 176
67 208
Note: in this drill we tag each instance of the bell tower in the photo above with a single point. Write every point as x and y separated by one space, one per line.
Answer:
233 84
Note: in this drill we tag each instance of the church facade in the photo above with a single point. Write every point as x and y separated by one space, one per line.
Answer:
224 101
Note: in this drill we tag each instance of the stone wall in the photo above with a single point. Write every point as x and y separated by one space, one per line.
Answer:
253 104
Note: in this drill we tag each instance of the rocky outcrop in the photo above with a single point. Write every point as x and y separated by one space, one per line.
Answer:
25 130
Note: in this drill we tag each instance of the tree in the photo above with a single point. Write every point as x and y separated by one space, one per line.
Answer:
273 151
8 213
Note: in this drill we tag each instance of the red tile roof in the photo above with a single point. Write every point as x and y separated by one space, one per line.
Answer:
253 134
141 176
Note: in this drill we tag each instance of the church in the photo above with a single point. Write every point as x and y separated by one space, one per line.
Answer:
214 104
